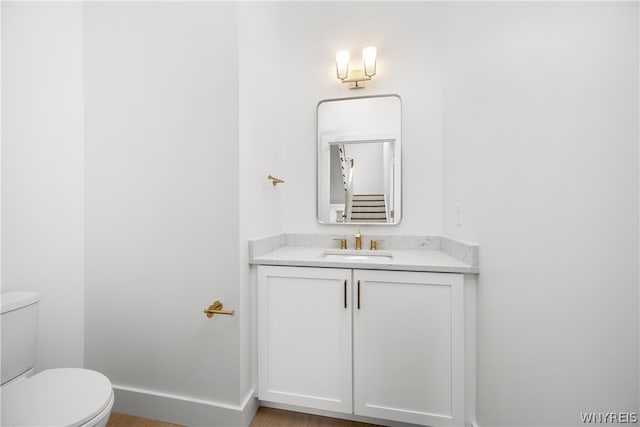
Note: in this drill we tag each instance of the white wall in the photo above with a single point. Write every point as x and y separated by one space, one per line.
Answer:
408 38
263 120
42 171
541 151
368 177
162 200
263 126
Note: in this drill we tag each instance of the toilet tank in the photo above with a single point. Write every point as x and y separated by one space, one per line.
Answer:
19 329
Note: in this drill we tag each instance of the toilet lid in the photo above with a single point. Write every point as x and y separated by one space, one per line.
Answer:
56 397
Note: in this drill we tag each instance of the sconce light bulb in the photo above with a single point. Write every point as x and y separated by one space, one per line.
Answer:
342 64
369 58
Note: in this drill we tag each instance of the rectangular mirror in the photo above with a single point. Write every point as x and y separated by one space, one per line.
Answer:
359 167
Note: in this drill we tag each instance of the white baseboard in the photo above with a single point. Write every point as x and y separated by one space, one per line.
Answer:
183 410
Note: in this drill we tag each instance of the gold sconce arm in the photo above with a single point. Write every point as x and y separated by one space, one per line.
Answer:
275 180
216 308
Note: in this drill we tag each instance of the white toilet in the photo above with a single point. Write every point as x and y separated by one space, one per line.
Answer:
66 397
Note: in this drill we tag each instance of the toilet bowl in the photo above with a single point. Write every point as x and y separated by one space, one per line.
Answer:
65 397
58 397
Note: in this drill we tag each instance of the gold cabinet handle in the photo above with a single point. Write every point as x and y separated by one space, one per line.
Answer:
216 308
345 293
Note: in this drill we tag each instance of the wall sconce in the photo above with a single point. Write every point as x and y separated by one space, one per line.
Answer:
356 75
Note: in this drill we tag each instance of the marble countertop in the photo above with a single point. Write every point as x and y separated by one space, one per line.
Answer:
430 258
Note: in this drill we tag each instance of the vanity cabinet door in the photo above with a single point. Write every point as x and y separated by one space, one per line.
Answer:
408 346
304 337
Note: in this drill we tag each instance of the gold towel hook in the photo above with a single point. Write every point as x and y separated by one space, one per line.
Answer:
275 180
216 308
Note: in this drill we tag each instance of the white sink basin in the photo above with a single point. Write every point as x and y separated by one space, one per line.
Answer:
359 255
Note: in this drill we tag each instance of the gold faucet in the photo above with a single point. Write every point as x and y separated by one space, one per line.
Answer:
358 240
343 243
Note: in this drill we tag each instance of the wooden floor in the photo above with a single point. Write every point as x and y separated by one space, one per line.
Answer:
122 420
266 417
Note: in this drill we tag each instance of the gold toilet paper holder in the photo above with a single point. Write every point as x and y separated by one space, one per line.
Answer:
216 308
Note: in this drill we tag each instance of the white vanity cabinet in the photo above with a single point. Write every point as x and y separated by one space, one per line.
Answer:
394 340
304 337
408 346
